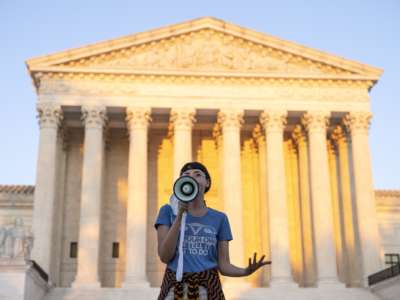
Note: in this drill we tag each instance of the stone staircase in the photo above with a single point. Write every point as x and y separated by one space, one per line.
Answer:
231 293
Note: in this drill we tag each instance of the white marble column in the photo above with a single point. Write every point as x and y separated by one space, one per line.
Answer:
274 123
316 125
308 276
136 231
339 137
50 117
259 137
182 120
94 119
337 207
230 122
370 243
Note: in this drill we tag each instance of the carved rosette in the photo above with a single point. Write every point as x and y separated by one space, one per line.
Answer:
358 122
273 121
230 119
316 122
94 116
49 115
182 118
137 118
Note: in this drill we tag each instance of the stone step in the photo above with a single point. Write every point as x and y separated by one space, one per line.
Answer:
281 293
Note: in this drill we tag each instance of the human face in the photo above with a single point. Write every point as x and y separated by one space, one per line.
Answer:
199 176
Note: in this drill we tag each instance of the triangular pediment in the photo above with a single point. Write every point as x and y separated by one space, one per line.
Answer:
206 45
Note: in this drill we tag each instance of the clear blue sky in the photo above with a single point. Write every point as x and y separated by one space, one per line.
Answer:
367 31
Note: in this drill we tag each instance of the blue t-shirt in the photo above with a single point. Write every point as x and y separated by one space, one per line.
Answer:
201 238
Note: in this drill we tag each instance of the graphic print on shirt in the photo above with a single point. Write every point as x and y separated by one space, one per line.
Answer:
199 239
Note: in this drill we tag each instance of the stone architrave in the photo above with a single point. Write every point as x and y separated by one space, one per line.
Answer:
316 124
50 117
182 120
370 243
274 123
94 119
138 120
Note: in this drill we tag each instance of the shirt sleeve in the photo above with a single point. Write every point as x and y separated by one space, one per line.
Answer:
224 232
164 216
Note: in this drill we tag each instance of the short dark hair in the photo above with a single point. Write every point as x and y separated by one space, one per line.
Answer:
198 166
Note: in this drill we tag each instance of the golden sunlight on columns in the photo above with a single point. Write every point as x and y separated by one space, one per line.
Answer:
251 203
94 119
50 117
258 135
316 124
182 122
300 138
352 260
208 155
295 237
219 145
231 122
135 275
370 243
337 213
274 122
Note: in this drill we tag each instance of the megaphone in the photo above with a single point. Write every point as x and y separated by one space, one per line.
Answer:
186 189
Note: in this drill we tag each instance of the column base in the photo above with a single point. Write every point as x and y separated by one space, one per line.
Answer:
330 283
282 283
80 284
135 283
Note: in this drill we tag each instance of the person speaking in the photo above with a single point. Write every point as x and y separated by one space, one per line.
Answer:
193 241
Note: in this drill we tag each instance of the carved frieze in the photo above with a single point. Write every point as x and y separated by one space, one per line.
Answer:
205 50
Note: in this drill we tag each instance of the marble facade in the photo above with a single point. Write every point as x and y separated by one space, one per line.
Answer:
288 124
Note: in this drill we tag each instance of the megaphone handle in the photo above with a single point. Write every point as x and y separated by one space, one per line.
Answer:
179 271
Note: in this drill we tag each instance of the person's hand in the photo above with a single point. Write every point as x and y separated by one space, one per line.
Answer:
182 207
254 265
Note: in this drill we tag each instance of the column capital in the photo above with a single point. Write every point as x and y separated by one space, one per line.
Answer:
230 118
94 116
258 134
217 134
182 118
63 134
273 120
298 134
137 117
331 146
358 121
50 115
316 121
338 135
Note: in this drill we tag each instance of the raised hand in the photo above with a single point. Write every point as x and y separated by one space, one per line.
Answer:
254 265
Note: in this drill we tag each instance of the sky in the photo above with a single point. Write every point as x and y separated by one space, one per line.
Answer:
366 31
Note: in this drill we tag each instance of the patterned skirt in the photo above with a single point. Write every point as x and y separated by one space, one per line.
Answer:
194 286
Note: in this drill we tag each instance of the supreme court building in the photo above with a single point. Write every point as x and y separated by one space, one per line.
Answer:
282 128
